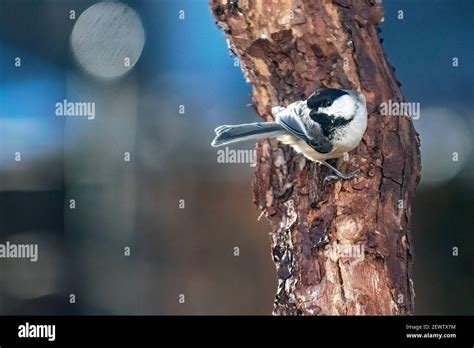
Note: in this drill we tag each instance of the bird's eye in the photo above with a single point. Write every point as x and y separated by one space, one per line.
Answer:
327 103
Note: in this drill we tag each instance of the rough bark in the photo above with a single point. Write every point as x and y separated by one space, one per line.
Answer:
288 49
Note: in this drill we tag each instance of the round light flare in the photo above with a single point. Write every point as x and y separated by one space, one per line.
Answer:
107 39
445 145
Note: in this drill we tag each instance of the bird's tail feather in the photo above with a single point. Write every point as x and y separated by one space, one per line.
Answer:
250 131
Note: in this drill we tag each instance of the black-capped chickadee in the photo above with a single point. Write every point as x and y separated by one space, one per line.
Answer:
324 126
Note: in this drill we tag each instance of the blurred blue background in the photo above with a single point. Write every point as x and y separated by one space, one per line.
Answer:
181 213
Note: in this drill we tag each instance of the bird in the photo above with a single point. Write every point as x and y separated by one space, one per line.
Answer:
329 123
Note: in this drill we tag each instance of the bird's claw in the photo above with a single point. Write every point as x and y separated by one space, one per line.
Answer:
349 176
340 175
329 178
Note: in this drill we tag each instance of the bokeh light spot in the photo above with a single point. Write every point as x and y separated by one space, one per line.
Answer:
107 39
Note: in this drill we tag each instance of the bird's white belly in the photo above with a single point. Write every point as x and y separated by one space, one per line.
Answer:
301 147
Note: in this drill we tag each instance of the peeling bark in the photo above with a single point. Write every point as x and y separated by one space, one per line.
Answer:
288 49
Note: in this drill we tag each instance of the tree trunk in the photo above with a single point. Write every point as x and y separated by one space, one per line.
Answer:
288 49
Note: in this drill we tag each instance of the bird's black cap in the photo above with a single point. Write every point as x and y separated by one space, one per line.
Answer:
324 97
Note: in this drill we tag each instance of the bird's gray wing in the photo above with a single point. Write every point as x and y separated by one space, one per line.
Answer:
293 123
290 119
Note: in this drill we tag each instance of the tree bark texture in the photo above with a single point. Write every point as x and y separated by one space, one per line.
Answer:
287 50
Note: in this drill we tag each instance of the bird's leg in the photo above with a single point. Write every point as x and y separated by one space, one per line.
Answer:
339 175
